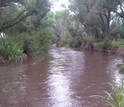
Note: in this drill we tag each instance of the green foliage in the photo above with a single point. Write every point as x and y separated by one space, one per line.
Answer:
119 29
121 70
118 43
63 43
17 47
105 44
91 39
35 42
75 42
121 67
10 49
30 12
96 16
115 98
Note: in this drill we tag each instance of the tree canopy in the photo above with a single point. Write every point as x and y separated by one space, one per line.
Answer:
97 16
12 12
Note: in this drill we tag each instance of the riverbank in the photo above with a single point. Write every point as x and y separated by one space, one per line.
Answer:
110 47
119 51
114 50
18 47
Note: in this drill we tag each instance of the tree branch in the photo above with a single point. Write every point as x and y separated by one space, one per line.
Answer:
16 20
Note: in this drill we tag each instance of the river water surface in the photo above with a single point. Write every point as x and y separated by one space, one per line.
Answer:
66 78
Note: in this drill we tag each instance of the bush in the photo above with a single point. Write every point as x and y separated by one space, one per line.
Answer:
35 42
105 44
63 43
16 47
75 43
10 49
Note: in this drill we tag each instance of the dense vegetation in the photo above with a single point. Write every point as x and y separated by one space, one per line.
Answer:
87 23
98 22
24 29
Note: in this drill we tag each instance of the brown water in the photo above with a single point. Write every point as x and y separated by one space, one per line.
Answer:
68 78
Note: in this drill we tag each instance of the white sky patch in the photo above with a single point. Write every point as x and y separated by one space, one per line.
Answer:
59 4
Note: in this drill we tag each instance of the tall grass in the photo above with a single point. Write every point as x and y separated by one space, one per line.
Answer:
11 49
17 47
115 98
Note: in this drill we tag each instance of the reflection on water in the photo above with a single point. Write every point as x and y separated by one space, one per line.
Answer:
59 81
116 77
68 78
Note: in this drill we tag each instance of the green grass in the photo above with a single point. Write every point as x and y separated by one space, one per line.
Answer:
104 44
118 43
108 44
115 98
63 44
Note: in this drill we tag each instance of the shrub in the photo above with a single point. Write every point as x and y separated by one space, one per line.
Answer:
105 44
10 49
35 42
63 43
16 47
75 43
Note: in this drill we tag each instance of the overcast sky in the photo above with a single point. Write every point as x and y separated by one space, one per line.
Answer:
57 4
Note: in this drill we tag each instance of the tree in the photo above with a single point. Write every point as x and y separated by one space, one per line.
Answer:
95 15
20 10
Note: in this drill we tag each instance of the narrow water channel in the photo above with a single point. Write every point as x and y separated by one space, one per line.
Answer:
66 78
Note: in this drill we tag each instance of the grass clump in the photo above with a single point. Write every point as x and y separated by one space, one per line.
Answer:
115 98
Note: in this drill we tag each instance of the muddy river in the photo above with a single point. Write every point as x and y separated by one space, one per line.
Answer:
65 78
